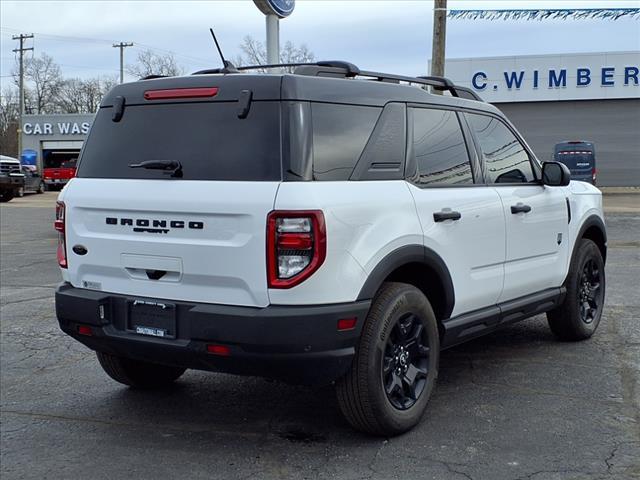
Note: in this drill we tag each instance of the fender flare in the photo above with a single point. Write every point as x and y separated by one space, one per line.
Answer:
591 221
405 255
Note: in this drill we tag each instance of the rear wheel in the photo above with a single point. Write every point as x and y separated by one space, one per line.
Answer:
41 188
396 363
579 315
138 374
20 192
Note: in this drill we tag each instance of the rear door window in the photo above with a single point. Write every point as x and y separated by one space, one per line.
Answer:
207 138
439 147
505 158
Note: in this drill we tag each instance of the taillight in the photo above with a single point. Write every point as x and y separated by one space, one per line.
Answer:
59 225
296 246
593 175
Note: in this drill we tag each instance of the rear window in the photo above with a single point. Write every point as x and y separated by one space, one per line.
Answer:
207 138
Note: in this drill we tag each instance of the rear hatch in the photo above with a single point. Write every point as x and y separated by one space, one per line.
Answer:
197 234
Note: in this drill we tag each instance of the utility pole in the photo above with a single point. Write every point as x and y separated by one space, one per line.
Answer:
22 37
439 39
122 46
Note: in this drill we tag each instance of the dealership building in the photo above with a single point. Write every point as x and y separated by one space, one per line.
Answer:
550 98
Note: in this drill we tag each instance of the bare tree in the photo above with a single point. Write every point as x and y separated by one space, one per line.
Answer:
78 95
9 113
43 80
150 63
255 53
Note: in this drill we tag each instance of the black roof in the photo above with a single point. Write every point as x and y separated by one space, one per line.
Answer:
371 89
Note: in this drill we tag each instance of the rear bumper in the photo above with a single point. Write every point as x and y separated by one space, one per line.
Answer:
56 181
297 344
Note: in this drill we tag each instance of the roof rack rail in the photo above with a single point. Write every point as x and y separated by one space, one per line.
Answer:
346 69
342 69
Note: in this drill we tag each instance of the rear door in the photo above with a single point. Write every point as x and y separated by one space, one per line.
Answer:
462 221
196 237
536 216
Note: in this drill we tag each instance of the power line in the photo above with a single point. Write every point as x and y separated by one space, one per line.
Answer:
104 41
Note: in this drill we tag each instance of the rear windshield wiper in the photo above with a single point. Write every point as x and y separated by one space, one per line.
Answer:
172 167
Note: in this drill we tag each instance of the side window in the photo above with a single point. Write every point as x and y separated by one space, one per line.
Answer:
505 158
340 133
440 151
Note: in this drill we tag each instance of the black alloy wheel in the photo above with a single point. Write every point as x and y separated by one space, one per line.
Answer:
590 293
406 362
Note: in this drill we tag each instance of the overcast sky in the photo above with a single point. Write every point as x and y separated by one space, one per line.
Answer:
380 35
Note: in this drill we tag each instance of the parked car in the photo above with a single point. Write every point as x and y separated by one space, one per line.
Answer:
331 225
57 173
33 182
580 157
11 178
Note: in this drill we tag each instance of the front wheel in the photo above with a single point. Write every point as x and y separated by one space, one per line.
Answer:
6 196
396 363
138 374
580 313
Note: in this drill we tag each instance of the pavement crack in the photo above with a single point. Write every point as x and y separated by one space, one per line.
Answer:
31 299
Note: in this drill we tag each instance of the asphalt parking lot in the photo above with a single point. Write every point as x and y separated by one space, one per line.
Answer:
516 404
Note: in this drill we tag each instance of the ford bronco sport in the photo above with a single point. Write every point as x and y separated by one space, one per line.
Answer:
331 225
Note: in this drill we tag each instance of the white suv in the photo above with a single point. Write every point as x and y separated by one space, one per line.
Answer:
331 225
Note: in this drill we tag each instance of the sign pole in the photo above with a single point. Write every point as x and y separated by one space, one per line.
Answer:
273 11
273 39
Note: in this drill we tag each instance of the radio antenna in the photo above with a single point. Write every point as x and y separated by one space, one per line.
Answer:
228 66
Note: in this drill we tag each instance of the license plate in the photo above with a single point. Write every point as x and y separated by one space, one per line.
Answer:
156 319
154 332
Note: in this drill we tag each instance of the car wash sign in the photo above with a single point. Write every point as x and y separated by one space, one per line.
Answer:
549 77
59 128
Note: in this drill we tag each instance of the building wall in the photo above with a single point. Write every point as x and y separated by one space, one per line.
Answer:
613 126
37 129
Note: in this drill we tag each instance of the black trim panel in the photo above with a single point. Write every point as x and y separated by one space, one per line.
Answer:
592 221
480 322
403 256
296 343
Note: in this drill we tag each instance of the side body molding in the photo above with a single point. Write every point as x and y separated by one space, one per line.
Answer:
408 254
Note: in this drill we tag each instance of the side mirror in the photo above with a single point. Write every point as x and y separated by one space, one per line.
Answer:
555 174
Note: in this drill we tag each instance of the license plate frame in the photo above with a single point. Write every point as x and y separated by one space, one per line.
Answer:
152 318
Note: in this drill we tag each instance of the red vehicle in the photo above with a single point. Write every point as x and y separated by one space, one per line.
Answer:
59 168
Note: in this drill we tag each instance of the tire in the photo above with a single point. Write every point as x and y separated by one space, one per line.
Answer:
20 192
585 286
138 374
41 188
362 392
6 196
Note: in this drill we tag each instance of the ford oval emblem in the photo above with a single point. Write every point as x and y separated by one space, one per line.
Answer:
281 8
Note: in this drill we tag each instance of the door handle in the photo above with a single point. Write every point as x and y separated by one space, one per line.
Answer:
520 208
448 215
